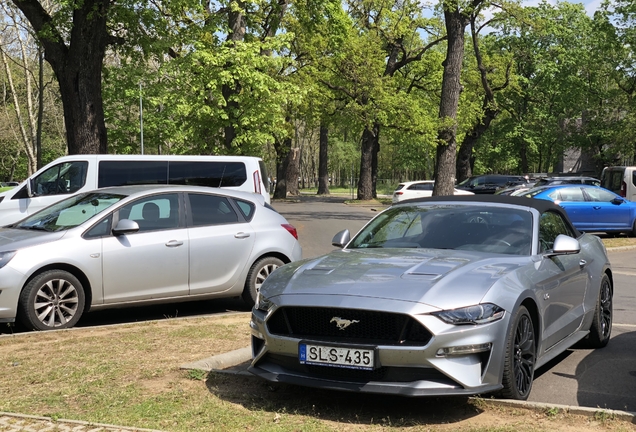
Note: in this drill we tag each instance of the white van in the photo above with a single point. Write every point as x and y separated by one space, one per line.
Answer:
621 180
69 175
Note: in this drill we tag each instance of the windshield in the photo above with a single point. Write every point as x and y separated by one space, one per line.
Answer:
70 212
464 227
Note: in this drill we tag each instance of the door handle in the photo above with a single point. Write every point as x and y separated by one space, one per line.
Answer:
241 235
174 243
596 207
582 263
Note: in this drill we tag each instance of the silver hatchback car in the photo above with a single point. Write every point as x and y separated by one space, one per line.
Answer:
137 245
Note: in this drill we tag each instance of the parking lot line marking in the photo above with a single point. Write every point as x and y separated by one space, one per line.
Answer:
625 273
624 325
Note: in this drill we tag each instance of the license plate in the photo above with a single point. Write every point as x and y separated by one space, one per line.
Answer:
337 356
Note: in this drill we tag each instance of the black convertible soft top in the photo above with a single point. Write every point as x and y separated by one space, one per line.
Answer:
539 204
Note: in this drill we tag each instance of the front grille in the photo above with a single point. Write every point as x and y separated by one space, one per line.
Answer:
372 327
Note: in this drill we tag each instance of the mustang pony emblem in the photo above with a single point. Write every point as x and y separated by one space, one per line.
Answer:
342 323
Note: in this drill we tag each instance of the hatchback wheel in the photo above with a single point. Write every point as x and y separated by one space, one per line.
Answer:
520 357
257 275
601 328
53 299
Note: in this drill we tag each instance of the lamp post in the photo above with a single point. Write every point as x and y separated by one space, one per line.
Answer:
141 119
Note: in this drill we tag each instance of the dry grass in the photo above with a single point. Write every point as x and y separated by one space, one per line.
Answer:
130 375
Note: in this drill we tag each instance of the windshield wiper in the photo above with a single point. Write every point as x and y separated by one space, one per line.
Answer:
32 227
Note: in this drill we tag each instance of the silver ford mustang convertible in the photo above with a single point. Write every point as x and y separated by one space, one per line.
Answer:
437 296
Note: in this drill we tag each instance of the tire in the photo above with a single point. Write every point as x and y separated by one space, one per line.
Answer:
520 357
601 328
53 299
257 275
633 231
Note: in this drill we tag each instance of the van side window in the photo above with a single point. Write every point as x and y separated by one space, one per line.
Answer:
211 210
121 173
64 178
212 174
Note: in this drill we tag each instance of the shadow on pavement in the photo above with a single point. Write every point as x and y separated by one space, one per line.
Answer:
607 377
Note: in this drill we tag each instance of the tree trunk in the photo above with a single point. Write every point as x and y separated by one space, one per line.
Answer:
293 170
465 155
456 22
490 109
78 69
374 160
365 183
282 150
323 165
237 24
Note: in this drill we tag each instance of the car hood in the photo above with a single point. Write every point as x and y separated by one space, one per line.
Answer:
12 238
437 278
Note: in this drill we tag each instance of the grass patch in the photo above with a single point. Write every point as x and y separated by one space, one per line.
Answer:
129 375
620 241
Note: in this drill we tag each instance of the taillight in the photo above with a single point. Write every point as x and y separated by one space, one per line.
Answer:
623 189
290 229
257 182
399 193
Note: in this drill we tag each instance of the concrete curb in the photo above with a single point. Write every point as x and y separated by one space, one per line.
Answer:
221 361
620 248
80 424
597 413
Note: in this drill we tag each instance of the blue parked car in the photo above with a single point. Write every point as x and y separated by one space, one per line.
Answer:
591 208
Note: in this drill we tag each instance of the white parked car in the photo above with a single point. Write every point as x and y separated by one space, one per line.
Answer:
419 189
138 245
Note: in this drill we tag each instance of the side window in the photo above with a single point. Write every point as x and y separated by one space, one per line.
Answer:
101 229
247 208
156 212
121 173
634 177
571 194
213 174
599 195
551 225
211 210
615 181
64 178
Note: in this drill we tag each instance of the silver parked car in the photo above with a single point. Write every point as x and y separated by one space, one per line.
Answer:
136 245
453 295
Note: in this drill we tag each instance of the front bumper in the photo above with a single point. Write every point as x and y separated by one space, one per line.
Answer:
10 287
404 370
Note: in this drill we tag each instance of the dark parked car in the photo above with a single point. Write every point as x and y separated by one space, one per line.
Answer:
568 180
488 184
520 189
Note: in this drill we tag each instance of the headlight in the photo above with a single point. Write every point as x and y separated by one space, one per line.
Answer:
5 257
478 314
262 303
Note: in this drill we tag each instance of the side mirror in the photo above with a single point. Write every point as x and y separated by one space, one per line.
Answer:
565 245
341 239
618 201
125 226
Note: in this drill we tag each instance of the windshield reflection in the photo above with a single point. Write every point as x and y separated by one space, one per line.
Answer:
461 227
70 212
